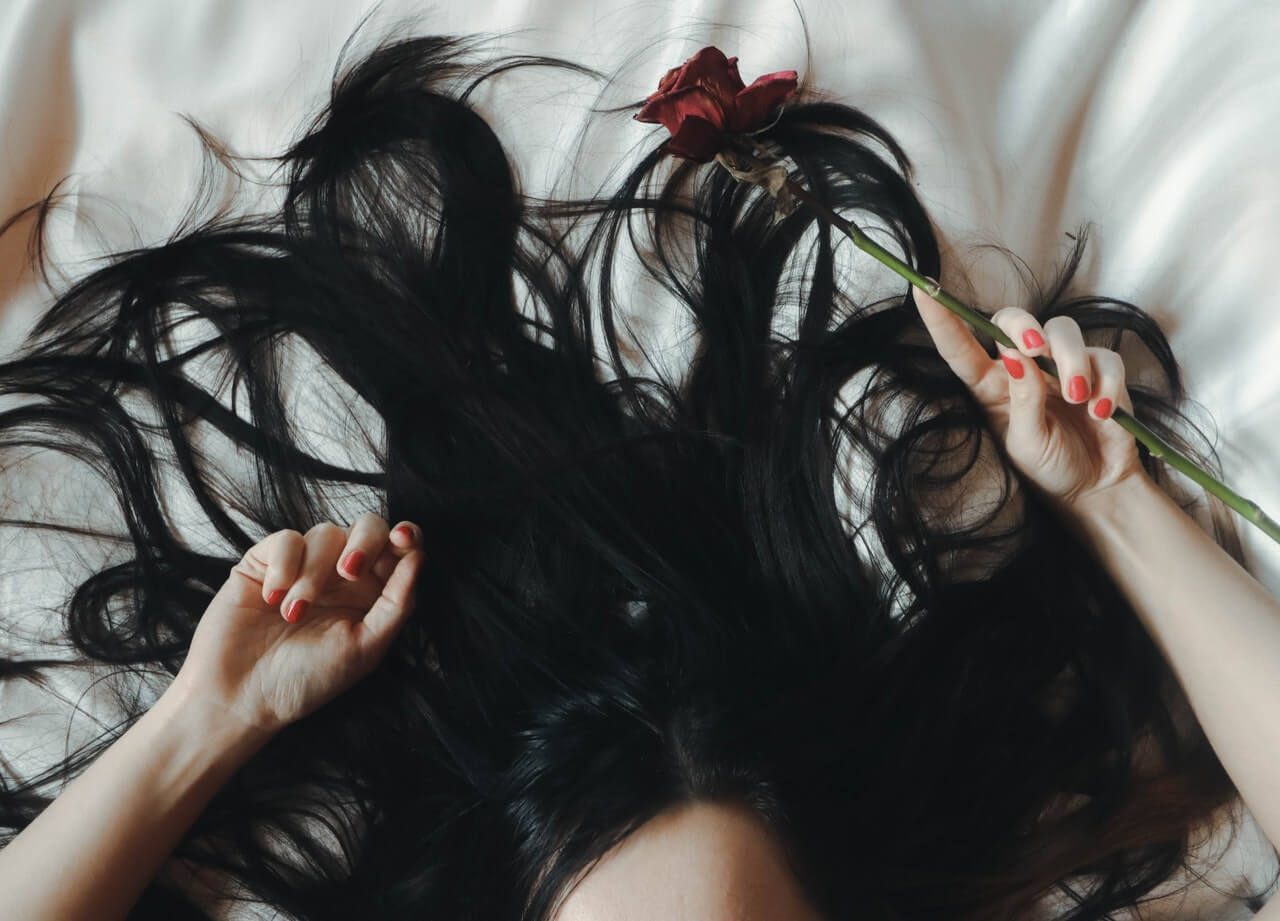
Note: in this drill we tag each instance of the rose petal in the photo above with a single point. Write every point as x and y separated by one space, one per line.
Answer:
668 82
674 108
710 69
671 81
697 139
753 105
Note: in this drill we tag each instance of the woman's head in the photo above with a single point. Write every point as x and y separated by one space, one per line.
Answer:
648 615
703 860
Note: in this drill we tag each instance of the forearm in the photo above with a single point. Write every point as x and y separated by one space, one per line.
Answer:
90 854
1218 628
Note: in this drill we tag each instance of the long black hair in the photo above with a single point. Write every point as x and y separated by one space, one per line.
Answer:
744 581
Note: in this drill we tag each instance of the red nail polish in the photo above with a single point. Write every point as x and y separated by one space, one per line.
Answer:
1013 366
1078 389
1032 339
1102 408
296 609
275 597
353 563
406 533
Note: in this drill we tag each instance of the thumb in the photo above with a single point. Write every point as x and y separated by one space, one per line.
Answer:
1028 432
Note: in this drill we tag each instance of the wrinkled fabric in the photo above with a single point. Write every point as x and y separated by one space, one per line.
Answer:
1155 120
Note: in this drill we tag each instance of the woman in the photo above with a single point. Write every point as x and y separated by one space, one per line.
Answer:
625 655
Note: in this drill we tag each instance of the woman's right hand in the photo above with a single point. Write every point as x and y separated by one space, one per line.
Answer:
255 664
301 618
1074 452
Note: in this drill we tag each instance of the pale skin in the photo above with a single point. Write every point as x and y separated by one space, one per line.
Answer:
250 671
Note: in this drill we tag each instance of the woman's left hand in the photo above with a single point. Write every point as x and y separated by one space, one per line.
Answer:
1058 433
296 623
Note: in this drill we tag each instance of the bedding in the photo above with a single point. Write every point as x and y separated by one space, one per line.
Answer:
1156 120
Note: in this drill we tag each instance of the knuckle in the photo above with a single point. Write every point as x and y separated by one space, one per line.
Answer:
1022 395
1057 325
257 557
1108 363
368 520
370 531
325 529
1007 317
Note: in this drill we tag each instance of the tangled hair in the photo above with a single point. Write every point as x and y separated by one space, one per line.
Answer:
641 591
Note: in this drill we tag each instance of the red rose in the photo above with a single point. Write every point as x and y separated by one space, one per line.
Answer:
704 99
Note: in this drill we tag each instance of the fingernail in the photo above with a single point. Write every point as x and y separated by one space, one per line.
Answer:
406 533
296 609
1078 389
275 597
1102 408
354 561
1032 339
1013 366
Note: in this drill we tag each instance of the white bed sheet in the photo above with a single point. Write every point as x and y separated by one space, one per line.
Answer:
1156 120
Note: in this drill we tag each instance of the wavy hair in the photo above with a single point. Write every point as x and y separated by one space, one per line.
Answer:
742 581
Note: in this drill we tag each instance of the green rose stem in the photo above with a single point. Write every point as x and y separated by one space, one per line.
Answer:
773 179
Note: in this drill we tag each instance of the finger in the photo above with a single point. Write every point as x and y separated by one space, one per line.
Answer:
365 541
393 607
1066 345
323 543
404 538
1024 329
1109 388
284 550
1028 430
953 340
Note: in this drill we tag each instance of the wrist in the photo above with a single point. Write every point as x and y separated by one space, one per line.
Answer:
195 720
1113 515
